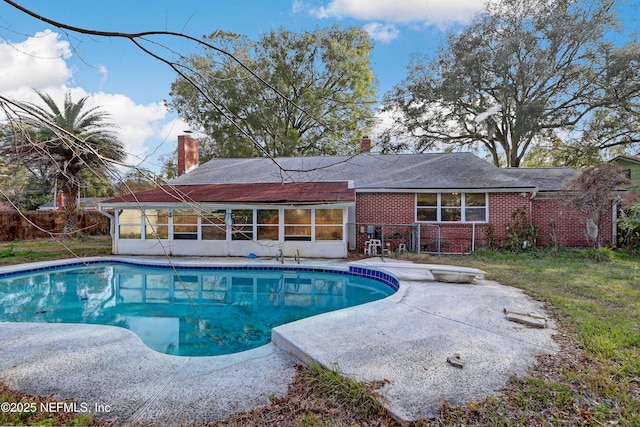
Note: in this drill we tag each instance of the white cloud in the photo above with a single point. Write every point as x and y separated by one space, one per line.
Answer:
431 12
38 62
104 73
382 32
136 123
174 128
41 62
298 6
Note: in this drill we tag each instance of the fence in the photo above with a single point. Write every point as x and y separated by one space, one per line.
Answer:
391 235
456 238
431 238
32 225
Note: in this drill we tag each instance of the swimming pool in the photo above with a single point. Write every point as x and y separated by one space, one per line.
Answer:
186 311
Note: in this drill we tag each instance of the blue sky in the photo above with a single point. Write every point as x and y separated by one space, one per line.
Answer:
132 86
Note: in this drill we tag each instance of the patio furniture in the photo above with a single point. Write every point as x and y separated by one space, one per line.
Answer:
375 245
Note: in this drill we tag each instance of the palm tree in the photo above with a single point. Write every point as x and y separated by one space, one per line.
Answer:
68 142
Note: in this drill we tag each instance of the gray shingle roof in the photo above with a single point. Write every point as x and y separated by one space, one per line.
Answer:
545 179
437 171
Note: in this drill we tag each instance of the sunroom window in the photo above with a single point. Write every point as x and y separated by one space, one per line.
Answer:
213 225
185 225
328 224
267 220
156 223
297 224
242 228
130 223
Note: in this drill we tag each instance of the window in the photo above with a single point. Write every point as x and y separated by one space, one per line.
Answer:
129 224
475 207
267 224
156 223
427 207
297 224
451 207
213 225
242 228
329 224
260 224
185 225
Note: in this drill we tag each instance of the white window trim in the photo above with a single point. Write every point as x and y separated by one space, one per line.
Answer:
462 208
229 222
140 225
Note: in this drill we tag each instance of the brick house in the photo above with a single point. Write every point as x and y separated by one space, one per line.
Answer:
326 206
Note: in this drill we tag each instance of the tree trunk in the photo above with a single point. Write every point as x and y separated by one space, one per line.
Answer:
70 192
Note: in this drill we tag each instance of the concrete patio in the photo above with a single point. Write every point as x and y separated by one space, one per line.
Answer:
404 340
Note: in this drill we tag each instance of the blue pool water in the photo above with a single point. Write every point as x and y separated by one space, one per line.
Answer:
185 312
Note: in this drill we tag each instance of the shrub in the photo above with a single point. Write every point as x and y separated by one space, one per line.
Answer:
629 227
492 240
521 234
600 254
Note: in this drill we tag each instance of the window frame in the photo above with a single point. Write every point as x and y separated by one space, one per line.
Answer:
325 227
209 228
462 208
187 230
242 231
156 230
262 227
304 226
137 225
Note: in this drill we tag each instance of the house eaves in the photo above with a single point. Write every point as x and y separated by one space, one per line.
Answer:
627 158
260 192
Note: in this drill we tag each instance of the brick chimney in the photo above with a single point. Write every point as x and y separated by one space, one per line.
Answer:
365 144
187 154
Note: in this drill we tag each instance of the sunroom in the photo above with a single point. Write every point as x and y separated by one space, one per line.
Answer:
265 219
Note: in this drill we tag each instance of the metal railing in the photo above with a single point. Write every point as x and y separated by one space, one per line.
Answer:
418 237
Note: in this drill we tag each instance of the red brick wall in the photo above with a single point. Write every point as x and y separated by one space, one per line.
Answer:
399 208
378 209
501 209
386 208
570 227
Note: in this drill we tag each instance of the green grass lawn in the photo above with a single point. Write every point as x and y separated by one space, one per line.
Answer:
593 380
43 250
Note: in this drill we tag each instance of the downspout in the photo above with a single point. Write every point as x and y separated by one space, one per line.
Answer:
533 194
473 237
614 225
112 227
